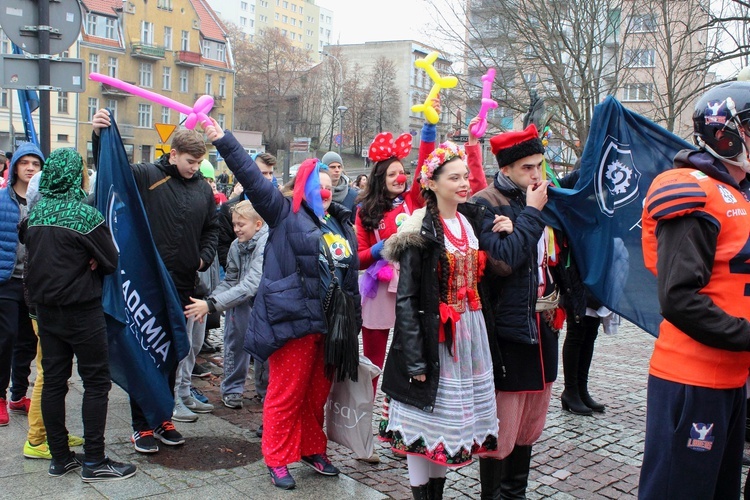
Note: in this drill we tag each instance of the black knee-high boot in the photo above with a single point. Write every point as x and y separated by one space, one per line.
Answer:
490 472
515 473
571 352
435 488
590 329
421 492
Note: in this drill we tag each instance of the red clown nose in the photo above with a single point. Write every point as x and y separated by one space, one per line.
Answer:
325 194
401 178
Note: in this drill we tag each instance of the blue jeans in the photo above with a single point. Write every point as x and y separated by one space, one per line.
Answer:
78 330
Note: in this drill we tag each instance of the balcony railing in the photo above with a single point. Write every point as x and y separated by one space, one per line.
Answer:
109 90
187 58
146 51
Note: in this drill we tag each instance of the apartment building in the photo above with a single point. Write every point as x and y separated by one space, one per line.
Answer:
176 48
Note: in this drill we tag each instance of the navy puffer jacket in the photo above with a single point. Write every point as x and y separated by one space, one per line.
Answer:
288 303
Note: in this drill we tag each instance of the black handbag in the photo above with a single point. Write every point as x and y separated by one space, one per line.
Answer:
341 352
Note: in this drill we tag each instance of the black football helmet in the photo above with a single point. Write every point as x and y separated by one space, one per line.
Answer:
725 107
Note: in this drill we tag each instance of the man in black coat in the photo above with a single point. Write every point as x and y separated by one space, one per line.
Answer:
182 214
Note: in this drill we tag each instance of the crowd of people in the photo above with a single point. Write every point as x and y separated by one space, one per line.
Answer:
458 286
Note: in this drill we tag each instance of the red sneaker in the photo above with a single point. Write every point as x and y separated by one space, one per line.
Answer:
4 419
20 406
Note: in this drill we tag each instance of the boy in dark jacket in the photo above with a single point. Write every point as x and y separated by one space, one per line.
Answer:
70 249
181 211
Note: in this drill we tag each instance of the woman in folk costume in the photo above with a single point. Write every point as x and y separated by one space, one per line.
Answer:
438 375
307 236
384 206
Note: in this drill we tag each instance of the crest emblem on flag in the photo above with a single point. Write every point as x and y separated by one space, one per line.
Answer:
617 178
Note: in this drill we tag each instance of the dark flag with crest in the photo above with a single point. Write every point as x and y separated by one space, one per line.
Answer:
601 215
145 324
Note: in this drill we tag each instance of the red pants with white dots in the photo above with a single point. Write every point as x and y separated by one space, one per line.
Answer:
294 406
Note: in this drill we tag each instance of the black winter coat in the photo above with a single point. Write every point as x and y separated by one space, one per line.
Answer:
182 216
414 349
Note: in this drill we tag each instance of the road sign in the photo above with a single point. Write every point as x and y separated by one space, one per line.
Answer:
337 139
19 72
18 16
161 149
164 130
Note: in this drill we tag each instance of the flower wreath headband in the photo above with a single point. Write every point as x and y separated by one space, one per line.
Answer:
444 153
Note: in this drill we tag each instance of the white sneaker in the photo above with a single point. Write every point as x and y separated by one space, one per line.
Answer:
196 406
182 413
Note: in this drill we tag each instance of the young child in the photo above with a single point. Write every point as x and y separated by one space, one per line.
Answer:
236 295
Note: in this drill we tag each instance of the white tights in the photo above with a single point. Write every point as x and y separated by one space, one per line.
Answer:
421 470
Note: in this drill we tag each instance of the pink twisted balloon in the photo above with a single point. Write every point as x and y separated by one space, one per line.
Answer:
479 128
199 111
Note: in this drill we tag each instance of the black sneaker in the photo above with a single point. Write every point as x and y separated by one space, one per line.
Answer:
320 463
167 434
200 372
281 478
58 468
107 470
144 442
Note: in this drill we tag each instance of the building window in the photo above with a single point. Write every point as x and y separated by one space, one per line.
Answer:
112 105
183 80
243 21
221 120
91 24
262 18
4 98
206 49
164 4
4 43
93 107
284 19
166 114
147 33
146 75
109 29
112 67
286 5
209 86
144 116
62 102
166 78
62 137
243 6
222 86
220 52
185 40
643 92
642 23
93 63
168 37
294 8
640 58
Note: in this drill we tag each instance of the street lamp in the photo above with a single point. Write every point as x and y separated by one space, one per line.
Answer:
341 93
342 110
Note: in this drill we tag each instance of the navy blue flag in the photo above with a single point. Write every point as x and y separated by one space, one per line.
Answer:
145 323
602 214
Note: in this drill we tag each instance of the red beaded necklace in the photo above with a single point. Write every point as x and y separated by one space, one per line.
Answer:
462 241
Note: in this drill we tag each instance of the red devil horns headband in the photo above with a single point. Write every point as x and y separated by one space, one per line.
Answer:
384 147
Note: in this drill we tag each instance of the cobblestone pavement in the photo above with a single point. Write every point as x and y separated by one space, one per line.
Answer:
576 457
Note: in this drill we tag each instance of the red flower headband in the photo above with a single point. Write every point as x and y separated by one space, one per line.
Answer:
384 147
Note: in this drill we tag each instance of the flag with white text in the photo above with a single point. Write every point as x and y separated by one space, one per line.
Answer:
145 324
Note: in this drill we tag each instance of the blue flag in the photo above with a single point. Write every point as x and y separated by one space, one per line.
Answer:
145 323
601 215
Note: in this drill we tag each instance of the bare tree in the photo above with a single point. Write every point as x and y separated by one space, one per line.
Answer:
383 94
269 89
572 54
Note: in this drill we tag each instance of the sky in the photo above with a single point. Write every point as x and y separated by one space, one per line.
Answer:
358 21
